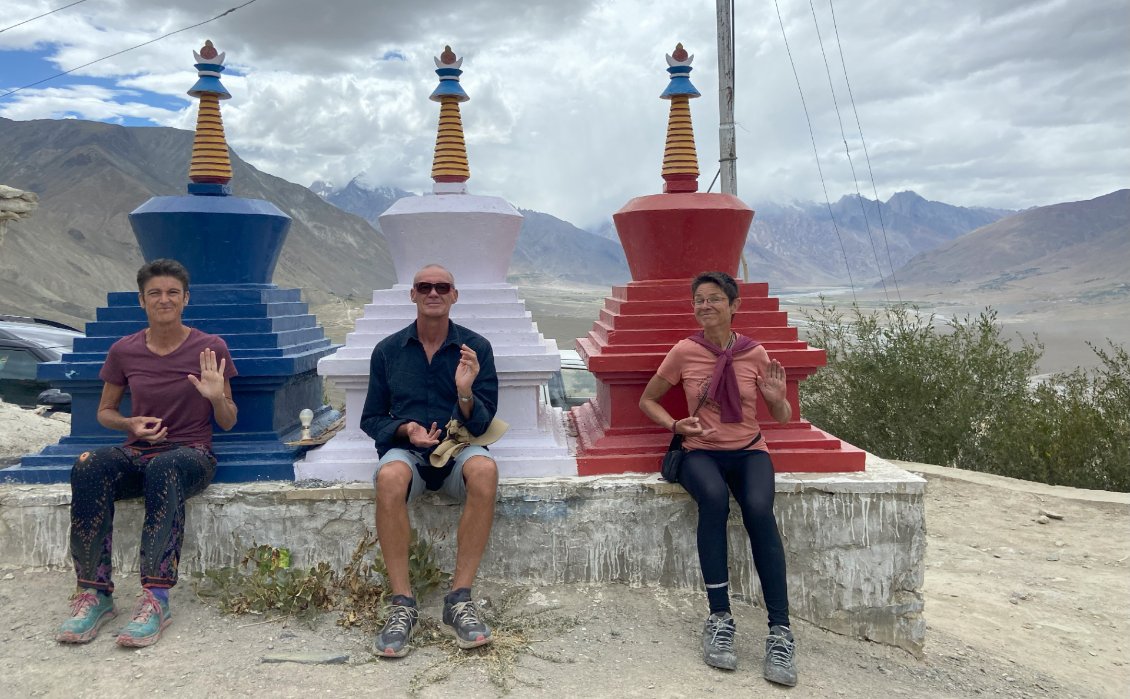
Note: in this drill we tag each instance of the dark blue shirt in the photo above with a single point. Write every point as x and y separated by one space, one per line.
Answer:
405 387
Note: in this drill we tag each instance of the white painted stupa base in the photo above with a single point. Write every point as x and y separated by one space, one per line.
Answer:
535 444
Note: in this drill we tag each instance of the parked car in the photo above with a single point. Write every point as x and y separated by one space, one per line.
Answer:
573 384
24 343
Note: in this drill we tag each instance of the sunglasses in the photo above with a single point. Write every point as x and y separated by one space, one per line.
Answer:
425 288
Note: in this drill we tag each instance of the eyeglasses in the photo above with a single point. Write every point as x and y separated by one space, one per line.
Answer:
425 288
711 300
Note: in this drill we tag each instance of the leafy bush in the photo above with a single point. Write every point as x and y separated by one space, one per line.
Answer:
899 385
265 583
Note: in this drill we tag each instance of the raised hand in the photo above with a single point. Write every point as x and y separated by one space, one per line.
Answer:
421 436
467 370
211 381
772 383
146 428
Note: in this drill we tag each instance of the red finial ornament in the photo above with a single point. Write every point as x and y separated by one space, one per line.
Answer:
209 51
448 56
680 53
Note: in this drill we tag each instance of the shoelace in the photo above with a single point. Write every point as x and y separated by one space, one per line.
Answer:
147 607
82 604
780 650
465 613
721 634
399 619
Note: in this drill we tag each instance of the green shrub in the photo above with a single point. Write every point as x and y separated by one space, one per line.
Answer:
902 386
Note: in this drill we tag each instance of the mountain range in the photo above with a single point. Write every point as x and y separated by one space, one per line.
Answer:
78 245
1078 249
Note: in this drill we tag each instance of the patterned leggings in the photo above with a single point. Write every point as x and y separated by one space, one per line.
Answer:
166 475
710 477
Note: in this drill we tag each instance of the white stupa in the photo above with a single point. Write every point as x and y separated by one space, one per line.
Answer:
473 237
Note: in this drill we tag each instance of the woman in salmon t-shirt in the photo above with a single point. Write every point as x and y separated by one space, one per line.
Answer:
721 373
179 380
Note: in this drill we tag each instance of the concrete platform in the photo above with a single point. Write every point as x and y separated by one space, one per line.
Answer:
855 542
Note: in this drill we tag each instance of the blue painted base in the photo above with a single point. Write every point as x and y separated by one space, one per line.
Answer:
275 345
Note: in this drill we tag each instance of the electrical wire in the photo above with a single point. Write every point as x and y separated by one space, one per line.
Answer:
32 19
118 53
847 151
815 152
866 155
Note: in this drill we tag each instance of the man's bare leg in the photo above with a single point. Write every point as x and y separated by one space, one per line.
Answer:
480 474
393 529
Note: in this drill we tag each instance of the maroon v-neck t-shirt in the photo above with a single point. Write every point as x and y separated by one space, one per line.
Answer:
159 385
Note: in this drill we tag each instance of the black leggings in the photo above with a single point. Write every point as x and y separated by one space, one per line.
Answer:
166 476
710 476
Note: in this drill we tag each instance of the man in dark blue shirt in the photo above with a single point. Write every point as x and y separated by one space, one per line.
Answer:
419 378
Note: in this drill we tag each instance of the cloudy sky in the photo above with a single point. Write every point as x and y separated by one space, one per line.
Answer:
1004 103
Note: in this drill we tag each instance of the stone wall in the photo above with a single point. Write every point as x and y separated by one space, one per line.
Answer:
855 542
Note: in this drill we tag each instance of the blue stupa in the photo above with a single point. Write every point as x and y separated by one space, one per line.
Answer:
230 246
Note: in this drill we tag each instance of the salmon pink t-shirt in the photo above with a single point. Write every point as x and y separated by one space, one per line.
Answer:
159 385
690 364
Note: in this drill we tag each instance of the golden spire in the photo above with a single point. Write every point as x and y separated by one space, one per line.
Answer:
449 164
680 159
210 163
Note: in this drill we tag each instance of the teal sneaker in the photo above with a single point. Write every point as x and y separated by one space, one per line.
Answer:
150 619
89 610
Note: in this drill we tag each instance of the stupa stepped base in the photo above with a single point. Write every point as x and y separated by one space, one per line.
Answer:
535 444
532 452
637 326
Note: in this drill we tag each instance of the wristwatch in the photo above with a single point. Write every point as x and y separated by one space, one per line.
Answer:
466 399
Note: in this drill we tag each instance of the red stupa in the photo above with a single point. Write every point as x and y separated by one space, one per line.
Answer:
668 239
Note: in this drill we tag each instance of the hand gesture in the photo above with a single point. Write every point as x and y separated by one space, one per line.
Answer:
772 383
467 370
145 428
211 381
421 436
690 427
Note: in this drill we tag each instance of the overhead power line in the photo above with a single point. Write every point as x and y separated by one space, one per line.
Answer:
847 151
866 155
815 151
32 19
131 48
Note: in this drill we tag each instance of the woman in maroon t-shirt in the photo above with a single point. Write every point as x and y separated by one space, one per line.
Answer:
722 373
179 381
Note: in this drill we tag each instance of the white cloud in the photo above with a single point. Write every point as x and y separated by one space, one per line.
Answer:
1007 104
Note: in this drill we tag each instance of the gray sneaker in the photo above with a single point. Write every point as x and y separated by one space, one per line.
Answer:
392 641
463 618
780 660
718 642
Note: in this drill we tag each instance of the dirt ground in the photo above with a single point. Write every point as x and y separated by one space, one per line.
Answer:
1014 608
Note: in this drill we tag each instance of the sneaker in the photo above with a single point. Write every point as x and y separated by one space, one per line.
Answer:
718 642
780 660
150 619
463 618
89 610
392 641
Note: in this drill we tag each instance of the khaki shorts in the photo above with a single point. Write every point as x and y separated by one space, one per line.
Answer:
453 486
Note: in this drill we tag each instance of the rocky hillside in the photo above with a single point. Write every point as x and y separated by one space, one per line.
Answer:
60 262
1082 247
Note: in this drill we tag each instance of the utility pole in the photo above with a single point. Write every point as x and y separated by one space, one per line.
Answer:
727 145
727 142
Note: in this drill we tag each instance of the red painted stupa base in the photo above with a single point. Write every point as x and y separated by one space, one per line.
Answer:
637 326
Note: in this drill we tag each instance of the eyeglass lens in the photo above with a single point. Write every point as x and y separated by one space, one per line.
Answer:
425 288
